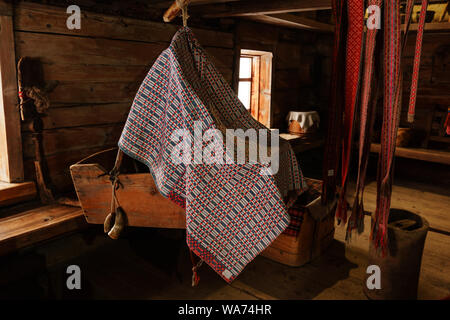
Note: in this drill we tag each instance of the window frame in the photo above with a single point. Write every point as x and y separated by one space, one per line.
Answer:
260 96
11 158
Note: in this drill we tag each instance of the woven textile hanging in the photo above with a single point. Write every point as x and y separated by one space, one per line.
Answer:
391 118
233 212
417 56
355 32
369 99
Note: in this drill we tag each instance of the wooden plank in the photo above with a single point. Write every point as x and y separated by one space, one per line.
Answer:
248 8
11 193
85 115
139 198
265 90
76 72
60 71
57 141
66 50
94 92
48 19
11 165
58 166
100 60
431 26
6 8
427 201
418 154
36 225
293 21
431 43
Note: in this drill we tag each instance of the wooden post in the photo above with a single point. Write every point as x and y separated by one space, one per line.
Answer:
11 162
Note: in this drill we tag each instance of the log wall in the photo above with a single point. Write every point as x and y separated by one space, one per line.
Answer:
98 70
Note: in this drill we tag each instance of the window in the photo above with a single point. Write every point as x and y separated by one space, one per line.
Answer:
11 165
255 78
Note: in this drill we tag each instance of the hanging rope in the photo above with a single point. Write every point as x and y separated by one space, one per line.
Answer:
195 267
116 220
184 12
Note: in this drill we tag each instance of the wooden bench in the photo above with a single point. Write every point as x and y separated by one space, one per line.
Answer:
35 225
11 193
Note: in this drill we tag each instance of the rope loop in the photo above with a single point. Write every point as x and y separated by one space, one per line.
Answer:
184 12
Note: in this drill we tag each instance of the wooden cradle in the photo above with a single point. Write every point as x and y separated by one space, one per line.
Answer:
146 207
138 195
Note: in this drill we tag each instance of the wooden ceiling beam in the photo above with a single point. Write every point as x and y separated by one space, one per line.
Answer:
174 10
261 7
293 21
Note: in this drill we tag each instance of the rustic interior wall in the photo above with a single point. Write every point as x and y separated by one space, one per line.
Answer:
97 71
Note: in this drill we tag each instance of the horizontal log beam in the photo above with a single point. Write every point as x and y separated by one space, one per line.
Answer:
293 21
262 7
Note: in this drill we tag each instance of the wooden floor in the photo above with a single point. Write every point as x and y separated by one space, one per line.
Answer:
154 264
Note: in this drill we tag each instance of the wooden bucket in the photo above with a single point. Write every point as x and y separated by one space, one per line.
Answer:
400 268
138 196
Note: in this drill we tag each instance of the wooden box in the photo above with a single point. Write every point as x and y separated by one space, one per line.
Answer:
311 241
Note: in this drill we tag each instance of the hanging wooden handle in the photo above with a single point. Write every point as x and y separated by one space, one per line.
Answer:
174 10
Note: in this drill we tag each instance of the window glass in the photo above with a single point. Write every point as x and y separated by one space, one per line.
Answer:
244 93
245 68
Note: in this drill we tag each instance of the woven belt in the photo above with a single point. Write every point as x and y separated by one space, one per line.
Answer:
368 107
391 117
417 56
355 32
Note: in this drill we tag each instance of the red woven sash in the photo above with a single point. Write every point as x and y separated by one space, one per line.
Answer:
367 117
417 56
355 11
391 116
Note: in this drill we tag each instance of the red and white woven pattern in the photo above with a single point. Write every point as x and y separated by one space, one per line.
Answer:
232 211
417 56
355 31
391 118
367 118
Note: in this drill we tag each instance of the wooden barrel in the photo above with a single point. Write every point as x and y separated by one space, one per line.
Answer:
400 268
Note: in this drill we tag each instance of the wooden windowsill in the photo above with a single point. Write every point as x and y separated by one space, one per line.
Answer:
39 224
12 193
